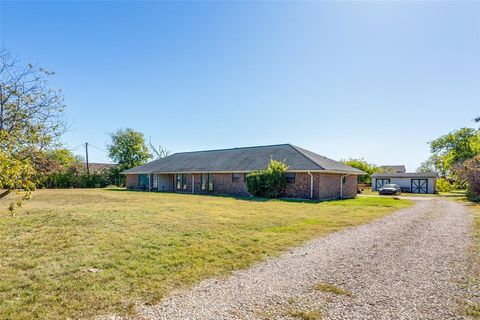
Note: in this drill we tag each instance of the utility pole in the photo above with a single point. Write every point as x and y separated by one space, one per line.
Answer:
86 157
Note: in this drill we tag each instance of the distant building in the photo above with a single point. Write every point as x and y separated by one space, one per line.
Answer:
393 168
95 167
414 182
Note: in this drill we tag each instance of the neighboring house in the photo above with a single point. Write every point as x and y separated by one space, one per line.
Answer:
393 168
309 176
414 182
95 167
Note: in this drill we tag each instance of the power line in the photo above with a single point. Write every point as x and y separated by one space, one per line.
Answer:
100 149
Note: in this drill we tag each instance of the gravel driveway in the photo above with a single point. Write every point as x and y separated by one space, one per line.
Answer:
410 265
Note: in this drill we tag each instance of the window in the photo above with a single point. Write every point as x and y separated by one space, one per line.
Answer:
290 177
143 181
245 177
210 182
179 181
235 177
206 182
182 181
155 181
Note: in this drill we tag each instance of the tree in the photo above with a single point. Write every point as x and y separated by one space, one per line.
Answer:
430 165
363 165
128 149
31 120
455 147
469 171
160 152
15 176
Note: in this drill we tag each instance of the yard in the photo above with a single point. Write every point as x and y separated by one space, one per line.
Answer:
473 305
81 253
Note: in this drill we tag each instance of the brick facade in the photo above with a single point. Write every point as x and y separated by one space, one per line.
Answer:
325 185
131 181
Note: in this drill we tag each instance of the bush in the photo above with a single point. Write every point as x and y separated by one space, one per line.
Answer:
469 172
270 182
256 183
443 185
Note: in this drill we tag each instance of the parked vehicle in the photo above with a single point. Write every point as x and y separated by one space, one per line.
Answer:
390 189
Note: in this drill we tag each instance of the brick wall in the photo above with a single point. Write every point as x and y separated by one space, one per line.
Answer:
325 185
350 187
301 187
131 181
223 184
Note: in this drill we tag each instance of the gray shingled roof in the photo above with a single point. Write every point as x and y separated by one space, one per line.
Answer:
243 160
405 175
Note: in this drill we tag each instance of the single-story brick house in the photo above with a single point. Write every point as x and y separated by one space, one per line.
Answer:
309 176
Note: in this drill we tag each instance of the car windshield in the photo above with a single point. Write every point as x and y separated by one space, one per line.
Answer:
390 186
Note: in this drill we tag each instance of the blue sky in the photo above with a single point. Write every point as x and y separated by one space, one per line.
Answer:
373 80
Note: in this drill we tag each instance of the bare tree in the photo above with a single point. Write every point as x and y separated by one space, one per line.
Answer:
160 152
31 113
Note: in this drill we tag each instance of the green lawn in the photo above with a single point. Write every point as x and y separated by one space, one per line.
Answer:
473 308
145 245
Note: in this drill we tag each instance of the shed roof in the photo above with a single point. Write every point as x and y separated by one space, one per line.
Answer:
243 160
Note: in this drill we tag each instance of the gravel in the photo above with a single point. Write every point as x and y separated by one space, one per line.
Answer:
409 265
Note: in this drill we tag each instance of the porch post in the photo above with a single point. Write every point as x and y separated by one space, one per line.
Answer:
149 182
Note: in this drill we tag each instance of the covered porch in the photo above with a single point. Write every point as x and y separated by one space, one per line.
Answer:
155 182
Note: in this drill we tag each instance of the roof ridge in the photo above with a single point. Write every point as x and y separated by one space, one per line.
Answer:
226 149
303 154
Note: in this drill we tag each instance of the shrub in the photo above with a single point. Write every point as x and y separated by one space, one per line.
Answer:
443 185
270 182
256 183
469 171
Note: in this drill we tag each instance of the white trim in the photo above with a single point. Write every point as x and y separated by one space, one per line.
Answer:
341 185
311 184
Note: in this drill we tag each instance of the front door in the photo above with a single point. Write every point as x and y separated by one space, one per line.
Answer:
379 183
419 186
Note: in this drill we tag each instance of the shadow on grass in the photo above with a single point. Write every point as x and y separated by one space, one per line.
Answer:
240 198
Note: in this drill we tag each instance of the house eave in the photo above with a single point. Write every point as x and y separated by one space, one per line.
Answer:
243 171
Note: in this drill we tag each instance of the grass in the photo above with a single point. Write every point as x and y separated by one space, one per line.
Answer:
472 309
82 253
330 288
304 315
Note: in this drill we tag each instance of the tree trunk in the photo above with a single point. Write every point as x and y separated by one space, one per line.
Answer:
4 193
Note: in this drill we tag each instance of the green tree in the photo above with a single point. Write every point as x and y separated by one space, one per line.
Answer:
128 149
15 176
31 120
363 165
455 147
430 165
